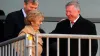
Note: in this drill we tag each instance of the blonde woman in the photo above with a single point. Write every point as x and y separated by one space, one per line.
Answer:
33 21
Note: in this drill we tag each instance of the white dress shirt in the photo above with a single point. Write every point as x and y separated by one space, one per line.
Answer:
24 12
74 21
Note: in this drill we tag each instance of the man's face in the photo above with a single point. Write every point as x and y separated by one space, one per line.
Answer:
72 13
30 6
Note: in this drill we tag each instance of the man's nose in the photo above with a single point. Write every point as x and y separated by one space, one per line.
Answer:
67 13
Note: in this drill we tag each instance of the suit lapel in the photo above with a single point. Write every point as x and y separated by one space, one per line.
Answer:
21 16
77 22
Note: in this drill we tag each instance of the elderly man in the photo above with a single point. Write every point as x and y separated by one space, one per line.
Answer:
75 24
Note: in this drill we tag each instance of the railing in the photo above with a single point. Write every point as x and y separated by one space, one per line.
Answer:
69 36
13 47
8 48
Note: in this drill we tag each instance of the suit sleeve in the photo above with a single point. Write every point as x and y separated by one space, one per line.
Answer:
57 29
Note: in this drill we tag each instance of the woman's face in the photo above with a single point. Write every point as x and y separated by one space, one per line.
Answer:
36 24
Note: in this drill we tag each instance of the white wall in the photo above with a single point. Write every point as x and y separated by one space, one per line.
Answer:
55 8
11 5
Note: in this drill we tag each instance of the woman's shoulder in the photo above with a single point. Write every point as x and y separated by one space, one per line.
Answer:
24 31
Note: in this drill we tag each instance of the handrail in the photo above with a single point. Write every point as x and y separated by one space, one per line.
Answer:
70 36
28 43
54 36
12 40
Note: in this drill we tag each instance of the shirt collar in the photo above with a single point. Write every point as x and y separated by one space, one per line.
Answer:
76 19
24 12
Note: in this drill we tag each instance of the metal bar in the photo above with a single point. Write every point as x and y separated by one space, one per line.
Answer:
36 47
0 51
8 49
79 47
58 46
30 48
99 47
28 45
12 40
5 50
25 46
47 44
20 47
68 46
12 49
89 47
70 36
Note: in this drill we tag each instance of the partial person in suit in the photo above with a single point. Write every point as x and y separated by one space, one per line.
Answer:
15 20
2 13
33 21
80 26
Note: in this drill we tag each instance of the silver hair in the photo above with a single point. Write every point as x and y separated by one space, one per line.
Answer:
30 1
75 3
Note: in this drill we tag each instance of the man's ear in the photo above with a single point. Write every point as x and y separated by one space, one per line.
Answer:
79 11
24 4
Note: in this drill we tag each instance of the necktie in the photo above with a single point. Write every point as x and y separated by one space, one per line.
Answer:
72 23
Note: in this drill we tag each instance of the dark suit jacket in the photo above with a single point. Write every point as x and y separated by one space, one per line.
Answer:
82 26
1 25
2 13
14 23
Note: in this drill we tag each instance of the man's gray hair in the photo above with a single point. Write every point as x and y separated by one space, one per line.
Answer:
75 3
30 1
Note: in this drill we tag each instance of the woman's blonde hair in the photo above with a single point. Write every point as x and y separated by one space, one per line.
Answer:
32 16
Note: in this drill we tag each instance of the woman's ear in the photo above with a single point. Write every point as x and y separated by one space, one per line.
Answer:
31 23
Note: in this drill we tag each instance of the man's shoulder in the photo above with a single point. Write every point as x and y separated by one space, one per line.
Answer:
14 15
14 12
88 22
63 20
